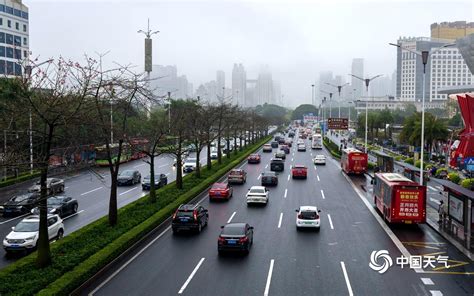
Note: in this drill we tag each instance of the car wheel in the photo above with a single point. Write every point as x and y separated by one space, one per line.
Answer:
60 234
74 209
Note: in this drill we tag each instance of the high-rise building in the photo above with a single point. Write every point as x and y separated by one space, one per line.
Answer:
181 87
451 30
358 70
381 87
239 79
164 79
264 88
14 37
220 83
410 67
277 93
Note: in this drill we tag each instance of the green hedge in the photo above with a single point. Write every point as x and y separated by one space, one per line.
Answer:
333 149
409 160
468 183
84 252
454 177
371 165
20 178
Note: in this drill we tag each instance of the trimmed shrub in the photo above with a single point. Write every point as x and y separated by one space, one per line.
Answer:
440 171
371 165
409 160
468 183
20 178
454 177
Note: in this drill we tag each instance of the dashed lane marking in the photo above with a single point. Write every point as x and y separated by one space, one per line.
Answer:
90 191
330 222
346 278
191 276
125 192
317 176
322 194
436 293
427 281
231 217
279 221
269 278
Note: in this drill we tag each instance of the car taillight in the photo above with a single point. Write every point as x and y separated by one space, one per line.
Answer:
243 239
300 216
220 240
174 215
195 215
317 217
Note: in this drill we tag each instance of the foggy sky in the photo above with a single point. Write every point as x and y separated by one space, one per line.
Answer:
296 39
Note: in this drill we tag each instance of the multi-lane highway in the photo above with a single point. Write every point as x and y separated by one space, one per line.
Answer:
92 190
284 261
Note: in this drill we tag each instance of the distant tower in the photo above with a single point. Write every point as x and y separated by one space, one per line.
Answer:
358 70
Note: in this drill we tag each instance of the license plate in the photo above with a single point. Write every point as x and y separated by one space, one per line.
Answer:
408 222
7 210
184 219
218 194
232 242
310 223
14 246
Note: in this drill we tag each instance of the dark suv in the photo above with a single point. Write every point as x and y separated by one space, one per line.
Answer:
277 165
189 217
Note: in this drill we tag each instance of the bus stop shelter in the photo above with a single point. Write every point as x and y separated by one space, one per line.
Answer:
460 213
413 172
384 162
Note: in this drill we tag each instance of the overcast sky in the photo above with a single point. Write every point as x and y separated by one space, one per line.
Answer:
296 39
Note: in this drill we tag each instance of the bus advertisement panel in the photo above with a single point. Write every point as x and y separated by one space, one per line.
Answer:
317 142
399 199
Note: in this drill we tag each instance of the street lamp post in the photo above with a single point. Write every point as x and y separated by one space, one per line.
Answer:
424 54
339 88
169 112
330 101
312 94
367 82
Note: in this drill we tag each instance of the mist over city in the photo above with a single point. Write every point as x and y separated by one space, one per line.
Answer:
291 42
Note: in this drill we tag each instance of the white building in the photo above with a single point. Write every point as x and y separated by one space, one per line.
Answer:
448 68
220 83
14 37
264 88
239 85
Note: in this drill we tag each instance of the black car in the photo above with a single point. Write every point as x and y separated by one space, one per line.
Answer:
60 205
274 144
160 181
129 177
277 165
269 178
235 237
291 134
189 217
20 204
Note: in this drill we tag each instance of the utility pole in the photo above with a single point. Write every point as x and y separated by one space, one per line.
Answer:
148 54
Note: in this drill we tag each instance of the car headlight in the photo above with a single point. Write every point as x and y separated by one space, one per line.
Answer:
1 207
30 238
53 211
19 207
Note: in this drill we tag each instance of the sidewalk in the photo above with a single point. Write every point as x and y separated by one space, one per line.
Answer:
432 220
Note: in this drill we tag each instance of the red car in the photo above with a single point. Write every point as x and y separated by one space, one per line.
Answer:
220 191
253 158
299 171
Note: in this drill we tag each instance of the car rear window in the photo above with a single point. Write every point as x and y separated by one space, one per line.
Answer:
233 230
185 214
308 215
257 191
236 173
219 186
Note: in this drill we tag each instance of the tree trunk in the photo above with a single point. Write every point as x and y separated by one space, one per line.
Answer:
179 171
241 146
113 206
44 253
219 151
198 160
209 160
228 147
152 196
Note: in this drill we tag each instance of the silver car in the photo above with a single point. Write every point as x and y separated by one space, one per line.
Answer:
53 186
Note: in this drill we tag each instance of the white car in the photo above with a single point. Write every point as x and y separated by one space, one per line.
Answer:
213 153
319 159
302 147
257 195
300 142
189 165
307 217
24 235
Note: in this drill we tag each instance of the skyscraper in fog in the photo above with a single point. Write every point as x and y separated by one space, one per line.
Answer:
358 70
239 82
277 93
220 81
264 88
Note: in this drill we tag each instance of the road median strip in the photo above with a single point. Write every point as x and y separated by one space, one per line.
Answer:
83 253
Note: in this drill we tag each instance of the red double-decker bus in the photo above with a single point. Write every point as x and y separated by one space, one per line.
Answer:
138 145
399 199
354 161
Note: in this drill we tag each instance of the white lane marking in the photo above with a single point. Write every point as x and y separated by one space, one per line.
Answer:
279 221
427 281
266 166
125 192
288 177
232 216
164 165
286 192
191 276
315 168
346 277
128 262
66 187
258 178
317 176
137 166
322 194
75 214
434 200
436 293
167 174
13 219
311 153
330 222
432 188
384 226
292 159
91 191
269 278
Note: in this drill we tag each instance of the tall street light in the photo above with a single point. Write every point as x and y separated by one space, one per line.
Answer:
330 100
367 82
323 101
312 94
339 88
424 54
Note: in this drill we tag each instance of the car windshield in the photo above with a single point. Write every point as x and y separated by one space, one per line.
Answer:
20 198
27 227
308 215
126 173
55 200
191 160
233 230
257 191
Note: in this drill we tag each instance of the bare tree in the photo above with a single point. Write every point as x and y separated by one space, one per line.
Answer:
198 129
